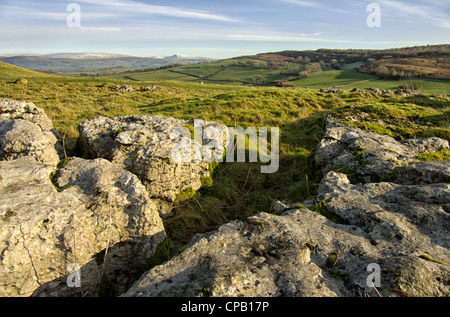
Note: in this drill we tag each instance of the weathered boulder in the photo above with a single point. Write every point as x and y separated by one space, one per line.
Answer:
25 130
373 90
299 253
96 216
144 146
126 88
369 154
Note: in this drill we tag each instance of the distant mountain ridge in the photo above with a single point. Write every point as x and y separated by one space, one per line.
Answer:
85 55
79 62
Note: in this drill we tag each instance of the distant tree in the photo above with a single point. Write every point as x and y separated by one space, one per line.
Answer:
303 74
313 68
382 72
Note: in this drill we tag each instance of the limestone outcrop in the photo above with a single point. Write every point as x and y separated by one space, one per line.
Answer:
93 208
143 145
370 155
25 130
59 216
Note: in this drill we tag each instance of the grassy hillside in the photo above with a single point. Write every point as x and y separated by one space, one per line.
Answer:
238 189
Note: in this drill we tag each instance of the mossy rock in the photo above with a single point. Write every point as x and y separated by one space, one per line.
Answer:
440 155
21 81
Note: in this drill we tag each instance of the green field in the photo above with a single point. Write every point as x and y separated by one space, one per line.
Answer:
238 189
235 71
251 72
333 78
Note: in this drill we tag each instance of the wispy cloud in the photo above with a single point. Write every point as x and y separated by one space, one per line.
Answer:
303 3
309 39
140 8
436 14
341 7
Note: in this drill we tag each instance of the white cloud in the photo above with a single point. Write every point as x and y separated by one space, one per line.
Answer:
433 14
303 3
300 38
139 8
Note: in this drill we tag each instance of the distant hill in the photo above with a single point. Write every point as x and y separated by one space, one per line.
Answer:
10 73
83 62
426 67
85 55
431 61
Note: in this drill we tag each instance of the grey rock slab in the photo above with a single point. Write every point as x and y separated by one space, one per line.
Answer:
96 215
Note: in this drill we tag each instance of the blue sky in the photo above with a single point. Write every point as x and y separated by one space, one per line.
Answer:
218 29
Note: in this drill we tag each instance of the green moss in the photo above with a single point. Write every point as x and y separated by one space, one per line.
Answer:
186 194
310 246
392 151
119 130
192 130
428 258
8 214
440 155
207 185
161 255
212 166
363 162
53 176
389 178
206 181
332 259
204 292
321 208
300 206
63 162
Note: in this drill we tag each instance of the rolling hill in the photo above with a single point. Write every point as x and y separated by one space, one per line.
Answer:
426 68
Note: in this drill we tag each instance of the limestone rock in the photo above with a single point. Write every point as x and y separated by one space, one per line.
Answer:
143 145
299 253
424 173
97 216
25 130
126 88
369 154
